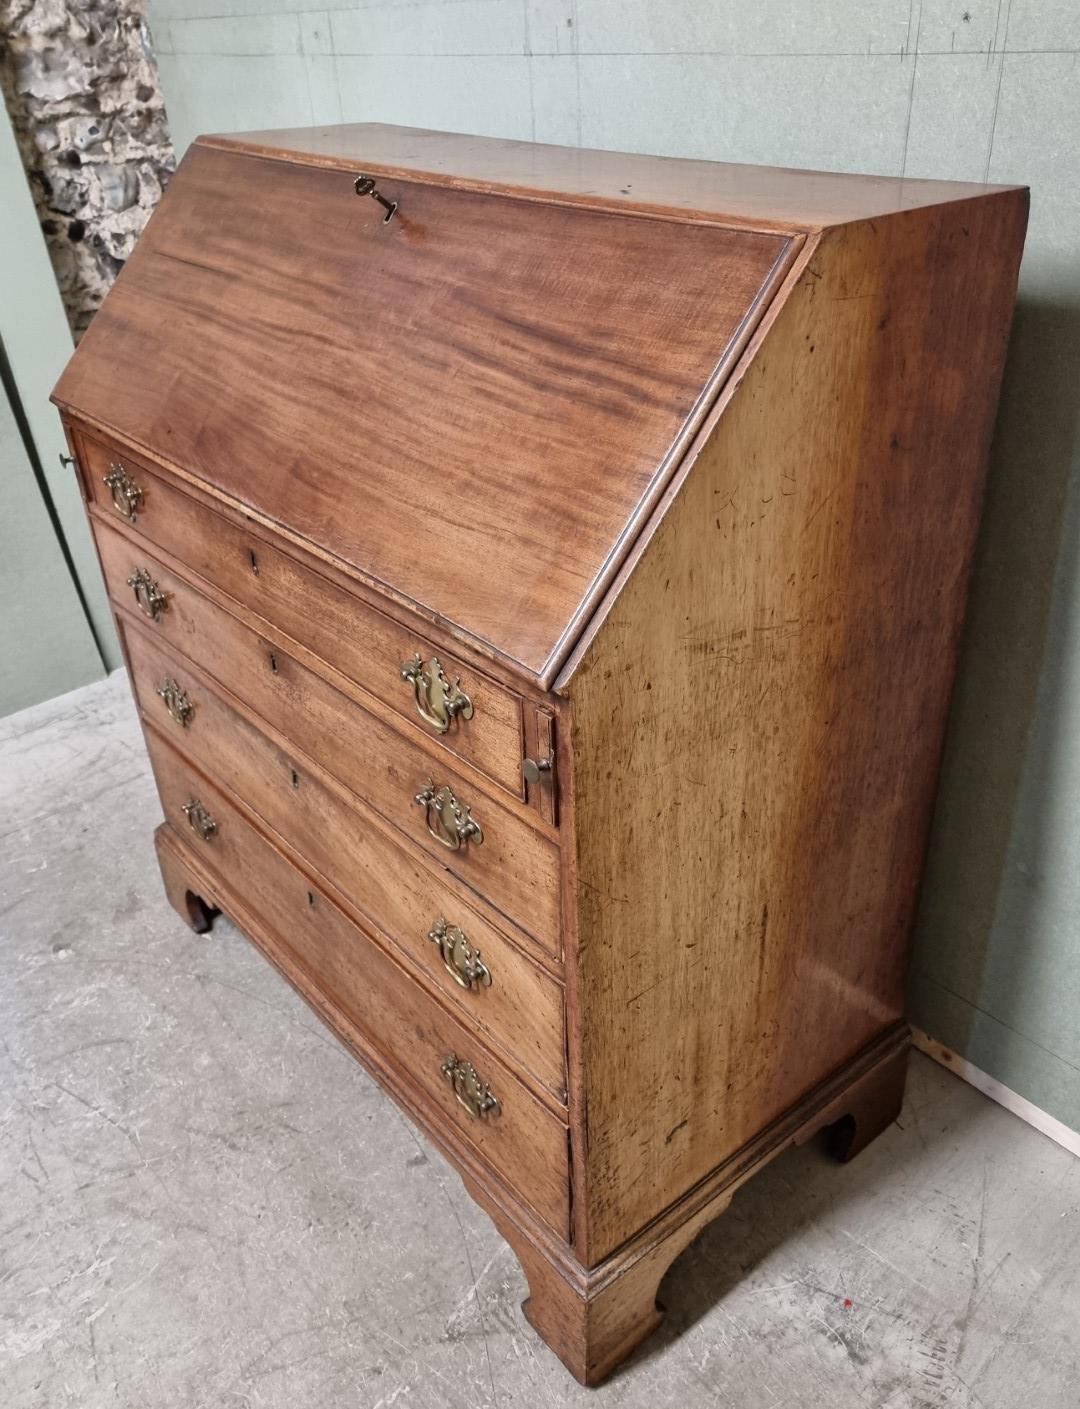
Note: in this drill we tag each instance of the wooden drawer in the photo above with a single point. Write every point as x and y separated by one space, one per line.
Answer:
518 1007
515 867
353 637
524 1142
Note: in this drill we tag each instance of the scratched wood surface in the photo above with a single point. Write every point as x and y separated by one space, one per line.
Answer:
758 722
465 405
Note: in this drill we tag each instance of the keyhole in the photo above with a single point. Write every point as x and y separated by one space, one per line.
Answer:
273 662
295 778
311 899
254 561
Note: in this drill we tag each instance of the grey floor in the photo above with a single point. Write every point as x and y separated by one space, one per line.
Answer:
205 1201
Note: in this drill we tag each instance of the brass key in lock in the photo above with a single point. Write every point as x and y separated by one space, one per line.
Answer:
365 186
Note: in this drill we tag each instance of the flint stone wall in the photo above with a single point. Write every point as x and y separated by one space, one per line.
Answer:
81 87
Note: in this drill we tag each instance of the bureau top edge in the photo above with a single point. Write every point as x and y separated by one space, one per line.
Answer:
785 200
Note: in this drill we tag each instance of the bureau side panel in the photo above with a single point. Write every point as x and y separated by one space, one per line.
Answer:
758 721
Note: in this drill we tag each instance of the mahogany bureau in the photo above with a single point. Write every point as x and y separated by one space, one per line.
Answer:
540 574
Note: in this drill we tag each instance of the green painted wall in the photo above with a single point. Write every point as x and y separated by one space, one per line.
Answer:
970 89
45 642
35 336
50 627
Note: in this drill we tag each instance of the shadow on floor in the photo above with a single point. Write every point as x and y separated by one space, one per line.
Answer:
780 1204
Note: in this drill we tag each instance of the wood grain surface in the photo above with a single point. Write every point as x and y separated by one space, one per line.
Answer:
516 867
398 895
525 1141
764 196
757 724
345 633
465 405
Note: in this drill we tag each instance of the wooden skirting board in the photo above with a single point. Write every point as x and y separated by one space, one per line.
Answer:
1043 1122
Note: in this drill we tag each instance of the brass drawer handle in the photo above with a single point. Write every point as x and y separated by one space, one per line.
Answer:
199 820
127 496
473 1093
449 821
463 962
151 599
438 700
176 701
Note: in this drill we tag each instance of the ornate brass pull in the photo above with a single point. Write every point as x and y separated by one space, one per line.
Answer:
463 962
126 494
438 700
199 820
449 821
176 701
151 599
472 1092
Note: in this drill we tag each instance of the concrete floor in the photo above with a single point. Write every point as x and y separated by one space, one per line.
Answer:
205 1202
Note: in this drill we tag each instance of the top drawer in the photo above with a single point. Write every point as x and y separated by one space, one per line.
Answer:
470 715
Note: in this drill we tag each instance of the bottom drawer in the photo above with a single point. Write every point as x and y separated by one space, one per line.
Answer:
519 1138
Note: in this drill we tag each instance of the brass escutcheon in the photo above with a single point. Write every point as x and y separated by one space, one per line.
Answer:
473 1093
126 494
199 820
449 821
463 962
151 599
438 700
176 701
